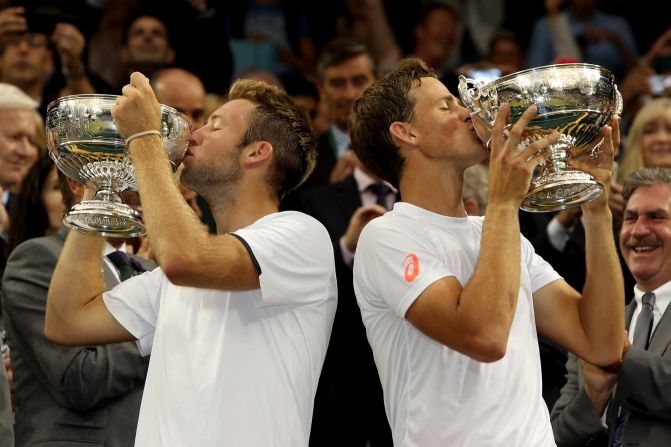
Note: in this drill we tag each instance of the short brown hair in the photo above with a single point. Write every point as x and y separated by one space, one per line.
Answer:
278 120
383 103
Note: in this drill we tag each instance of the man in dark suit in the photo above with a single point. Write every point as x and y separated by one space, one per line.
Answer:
349 392
66 394
632 398
345 69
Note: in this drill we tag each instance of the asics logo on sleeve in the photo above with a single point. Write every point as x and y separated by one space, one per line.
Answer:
411 264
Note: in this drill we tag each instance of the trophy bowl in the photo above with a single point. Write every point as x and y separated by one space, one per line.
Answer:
85 145
575 99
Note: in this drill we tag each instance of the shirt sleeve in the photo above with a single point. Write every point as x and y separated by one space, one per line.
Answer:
135 303
294 256
393 266
540 271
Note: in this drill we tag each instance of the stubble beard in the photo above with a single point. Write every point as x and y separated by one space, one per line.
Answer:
217 185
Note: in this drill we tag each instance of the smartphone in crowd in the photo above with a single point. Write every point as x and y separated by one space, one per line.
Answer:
660 84
485 75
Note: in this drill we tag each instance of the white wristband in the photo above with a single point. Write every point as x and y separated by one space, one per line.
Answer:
142 134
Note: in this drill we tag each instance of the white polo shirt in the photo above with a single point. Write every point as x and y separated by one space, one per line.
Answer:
435 396
236 368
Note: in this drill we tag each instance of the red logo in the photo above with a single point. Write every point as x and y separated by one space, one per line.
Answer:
412 267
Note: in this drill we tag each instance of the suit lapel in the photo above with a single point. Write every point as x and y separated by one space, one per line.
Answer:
661 337
629 312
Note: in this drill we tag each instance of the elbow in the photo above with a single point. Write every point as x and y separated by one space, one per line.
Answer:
58 333
604 358
489 351
179 268
51 330
55 336
486 347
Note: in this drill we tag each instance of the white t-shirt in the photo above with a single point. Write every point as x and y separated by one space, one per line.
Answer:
435 396
236 368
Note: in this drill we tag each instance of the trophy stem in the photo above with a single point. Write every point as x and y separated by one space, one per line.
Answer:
105 214
557 161
105 190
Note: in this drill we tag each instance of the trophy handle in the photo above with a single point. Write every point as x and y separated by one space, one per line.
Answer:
618 101
470 91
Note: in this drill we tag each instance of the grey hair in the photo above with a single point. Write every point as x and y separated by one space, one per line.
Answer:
12 97
645 177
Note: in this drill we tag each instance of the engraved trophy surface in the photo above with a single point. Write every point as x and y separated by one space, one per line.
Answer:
575 99
86 146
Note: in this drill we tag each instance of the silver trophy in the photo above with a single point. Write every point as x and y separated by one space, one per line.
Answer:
574 99
86 146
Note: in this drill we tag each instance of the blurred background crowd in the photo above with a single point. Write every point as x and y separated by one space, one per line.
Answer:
324 54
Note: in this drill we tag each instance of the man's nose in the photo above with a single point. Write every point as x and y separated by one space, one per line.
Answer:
640 228
462 112
25 147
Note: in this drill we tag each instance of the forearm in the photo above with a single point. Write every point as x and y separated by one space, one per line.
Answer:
76 80
382 39
488 300
80 263
172 227
602 303
563 42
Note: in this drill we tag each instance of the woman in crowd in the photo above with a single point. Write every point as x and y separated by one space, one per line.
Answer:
39 205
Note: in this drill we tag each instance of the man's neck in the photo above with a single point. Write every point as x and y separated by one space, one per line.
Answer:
242 211
437 189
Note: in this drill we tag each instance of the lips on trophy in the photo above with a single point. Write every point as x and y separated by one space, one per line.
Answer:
575 99
86 146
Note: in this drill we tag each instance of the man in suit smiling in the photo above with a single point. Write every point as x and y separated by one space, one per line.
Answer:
633 398
66 394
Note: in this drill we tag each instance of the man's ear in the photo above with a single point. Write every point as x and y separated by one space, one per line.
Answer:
403 133
76 188
256 154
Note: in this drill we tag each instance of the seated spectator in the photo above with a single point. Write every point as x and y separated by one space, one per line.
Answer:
72 395
18 150
39 204
649 139
631 396
345 69
27 47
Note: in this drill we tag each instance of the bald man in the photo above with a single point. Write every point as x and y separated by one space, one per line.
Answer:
182 90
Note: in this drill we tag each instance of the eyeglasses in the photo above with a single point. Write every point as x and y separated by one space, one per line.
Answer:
31 39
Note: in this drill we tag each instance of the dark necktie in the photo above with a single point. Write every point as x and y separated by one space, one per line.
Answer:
644 321
122 263
381 192
641 340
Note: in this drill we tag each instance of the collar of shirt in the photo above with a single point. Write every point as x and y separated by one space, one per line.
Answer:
109 248
662 300
5 197
341 140
363 181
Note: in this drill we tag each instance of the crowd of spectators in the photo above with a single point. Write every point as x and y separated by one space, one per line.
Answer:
324 55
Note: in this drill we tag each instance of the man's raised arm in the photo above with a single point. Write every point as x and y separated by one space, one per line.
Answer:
76 314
